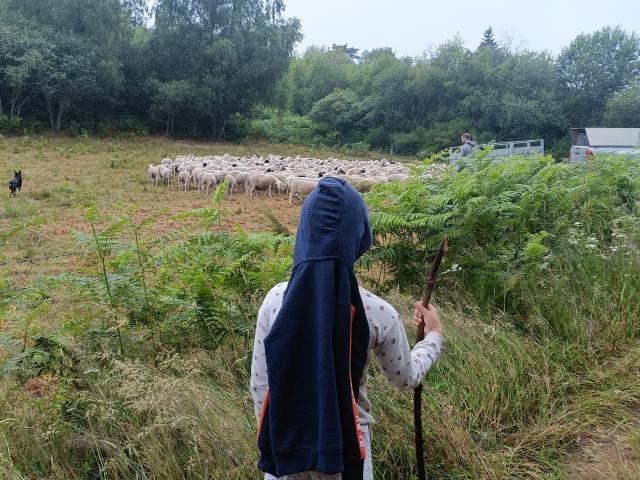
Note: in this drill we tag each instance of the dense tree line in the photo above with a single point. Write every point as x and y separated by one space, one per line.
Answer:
225 68
98 62
425 103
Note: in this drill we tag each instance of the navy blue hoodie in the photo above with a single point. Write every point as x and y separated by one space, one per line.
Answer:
317 346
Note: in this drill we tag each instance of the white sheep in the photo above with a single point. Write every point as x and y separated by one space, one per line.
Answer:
397 177
273 172
198 177
184 178
208 180
301 187
262 181
195 176
242 179
154 174
166 173
280 186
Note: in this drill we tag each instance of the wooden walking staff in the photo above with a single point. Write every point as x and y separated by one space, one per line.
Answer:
417 393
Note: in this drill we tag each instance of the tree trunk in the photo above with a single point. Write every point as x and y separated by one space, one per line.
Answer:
59 117
224 124
50 110
24 100
1 106
13 101
167 125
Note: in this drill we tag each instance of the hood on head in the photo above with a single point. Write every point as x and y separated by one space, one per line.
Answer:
333 223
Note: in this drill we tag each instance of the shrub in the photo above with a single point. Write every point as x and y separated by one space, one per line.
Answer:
341 111
194 292
445 134
359 148
19 126
285 128
377 137
623 108
10 125
523 229
408 143
117 127
559 149
237 127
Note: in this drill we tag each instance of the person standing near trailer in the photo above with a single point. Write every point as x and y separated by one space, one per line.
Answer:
468 147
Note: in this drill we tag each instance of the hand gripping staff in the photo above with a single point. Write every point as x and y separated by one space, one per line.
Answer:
417 393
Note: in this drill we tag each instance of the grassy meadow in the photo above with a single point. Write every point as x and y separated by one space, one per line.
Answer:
129 358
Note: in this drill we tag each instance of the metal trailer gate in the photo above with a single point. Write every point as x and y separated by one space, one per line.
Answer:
502 149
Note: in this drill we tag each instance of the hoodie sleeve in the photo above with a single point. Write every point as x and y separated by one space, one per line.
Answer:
402 366
259 378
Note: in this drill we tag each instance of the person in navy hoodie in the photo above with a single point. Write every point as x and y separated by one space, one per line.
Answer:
313 342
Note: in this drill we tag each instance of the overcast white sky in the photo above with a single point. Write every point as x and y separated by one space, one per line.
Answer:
412 26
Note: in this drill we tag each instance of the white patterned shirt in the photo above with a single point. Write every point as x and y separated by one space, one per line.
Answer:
402 366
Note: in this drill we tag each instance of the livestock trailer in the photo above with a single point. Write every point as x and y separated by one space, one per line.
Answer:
503 149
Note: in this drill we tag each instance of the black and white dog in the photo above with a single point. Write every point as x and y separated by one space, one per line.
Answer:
15 184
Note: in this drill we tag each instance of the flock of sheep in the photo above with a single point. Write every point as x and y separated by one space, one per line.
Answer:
286 175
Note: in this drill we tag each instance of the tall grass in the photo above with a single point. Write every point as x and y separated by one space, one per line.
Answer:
498 406
539 297
134 421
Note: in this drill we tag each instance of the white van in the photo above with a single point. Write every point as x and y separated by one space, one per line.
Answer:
589 142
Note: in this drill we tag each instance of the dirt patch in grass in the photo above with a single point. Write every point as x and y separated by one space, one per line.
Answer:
249 213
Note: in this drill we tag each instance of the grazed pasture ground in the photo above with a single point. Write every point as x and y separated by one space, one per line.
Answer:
64 176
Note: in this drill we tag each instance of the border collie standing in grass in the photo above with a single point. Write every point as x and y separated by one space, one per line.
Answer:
15 183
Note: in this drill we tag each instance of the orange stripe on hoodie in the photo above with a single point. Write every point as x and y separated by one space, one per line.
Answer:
354 406
262 412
